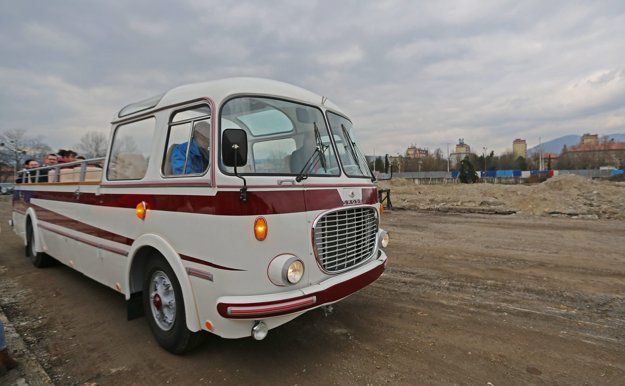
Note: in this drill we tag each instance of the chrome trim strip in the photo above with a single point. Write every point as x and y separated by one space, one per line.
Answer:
271 308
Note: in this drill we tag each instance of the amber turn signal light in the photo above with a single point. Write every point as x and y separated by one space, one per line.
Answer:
260 228
141 210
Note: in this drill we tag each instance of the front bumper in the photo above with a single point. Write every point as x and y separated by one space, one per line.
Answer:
326 292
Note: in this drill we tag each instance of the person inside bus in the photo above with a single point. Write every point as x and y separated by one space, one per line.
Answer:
61 156
24 175
70 156
302 154
199 151
66 156
50 160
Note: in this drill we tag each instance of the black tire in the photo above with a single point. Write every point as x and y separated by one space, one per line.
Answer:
39 259
169 326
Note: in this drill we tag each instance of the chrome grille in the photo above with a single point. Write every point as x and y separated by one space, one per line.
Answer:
345 238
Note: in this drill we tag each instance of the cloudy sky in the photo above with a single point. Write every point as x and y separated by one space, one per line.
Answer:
407 72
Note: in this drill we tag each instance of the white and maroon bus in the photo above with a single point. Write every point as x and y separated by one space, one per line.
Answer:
231 206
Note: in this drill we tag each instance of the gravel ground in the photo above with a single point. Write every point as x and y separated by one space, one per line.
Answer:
566 196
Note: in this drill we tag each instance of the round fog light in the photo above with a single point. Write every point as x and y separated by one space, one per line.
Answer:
295 271
260 330
385 239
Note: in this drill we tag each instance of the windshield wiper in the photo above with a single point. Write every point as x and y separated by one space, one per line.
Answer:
352 148
321 147
319 151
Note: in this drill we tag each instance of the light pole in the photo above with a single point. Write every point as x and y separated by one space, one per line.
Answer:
13 146
484 155
540 155
447 157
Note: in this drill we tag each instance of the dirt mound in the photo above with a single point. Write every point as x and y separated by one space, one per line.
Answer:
572 196
566 183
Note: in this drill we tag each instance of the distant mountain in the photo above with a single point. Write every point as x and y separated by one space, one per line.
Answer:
555 145
615 137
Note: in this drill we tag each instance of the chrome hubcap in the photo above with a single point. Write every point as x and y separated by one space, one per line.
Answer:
162 300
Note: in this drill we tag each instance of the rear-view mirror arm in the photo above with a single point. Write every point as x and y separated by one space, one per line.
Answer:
243 191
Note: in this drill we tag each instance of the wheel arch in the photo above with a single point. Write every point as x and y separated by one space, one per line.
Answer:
140 253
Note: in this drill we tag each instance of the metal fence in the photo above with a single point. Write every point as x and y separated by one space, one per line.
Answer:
499 176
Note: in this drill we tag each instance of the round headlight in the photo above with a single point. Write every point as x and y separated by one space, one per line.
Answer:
286 269
295 271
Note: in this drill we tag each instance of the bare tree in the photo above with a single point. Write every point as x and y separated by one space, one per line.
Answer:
38 149
13 146
18 146
92 145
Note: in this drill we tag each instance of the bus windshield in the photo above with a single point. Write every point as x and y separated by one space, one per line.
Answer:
354 162
284 138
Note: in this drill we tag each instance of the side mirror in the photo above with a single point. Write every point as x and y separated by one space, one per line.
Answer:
234 147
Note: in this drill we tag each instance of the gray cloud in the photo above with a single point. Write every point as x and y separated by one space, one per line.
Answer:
407 72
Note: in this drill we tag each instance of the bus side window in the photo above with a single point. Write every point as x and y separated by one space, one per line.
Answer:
187 151
177 143
130 150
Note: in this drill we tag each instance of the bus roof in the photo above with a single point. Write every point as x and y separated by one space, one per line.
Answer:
218 90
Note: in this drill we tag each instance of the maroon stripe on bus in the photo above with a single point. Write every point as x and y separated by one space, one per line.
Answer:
55 218
223 203
369 196
204 262
85 241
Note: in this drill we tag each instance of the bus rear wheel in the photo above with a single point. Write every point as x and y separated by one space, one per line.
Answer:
39 259
163 304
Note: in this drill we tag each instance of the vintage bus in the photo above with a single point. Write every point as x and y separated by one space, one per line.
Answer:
230 206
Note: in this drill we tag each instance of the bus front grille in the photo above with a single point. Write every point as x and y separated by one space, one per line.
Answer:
345 238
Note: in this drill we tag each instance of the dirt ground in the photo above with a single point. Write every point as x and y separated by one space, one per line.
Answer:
467 299
564 196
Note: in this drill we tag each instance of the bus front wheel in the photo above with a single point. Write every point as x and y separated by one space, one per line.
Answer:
163 304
